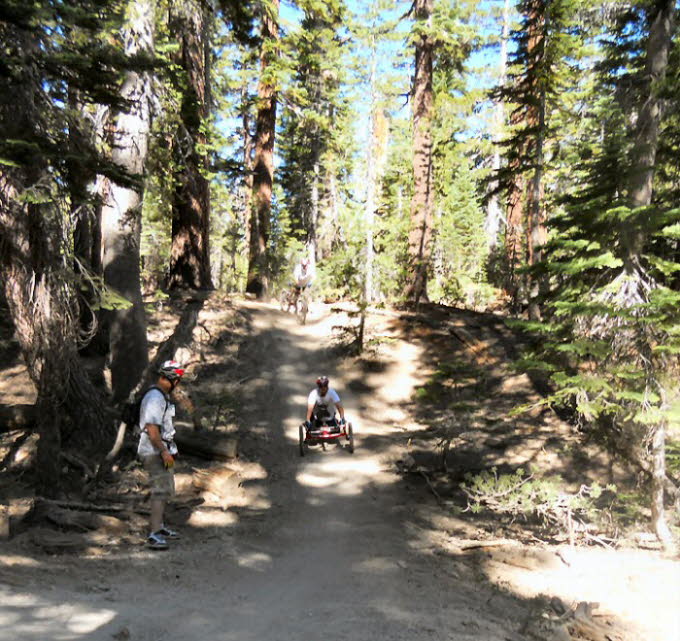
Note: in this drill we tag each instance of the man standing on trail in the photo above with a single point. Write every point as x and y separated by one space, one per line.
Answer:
322 403
157 449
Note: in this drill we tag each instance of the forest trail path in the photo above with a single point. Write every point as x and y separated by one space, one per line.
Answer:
333 546
327 550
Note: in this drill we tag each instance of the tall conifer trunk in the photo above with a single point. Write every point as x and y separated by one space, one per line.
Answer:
420 233
248 146
122 211
536 219
263 165
641 184
372 176
494 215
190 255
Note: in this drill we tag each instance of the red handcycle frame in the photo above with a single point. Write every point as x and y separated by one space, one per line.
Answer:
325 434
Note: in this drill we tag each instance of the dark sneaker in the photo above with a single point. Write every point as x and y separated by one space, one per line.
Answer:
168 533
156 541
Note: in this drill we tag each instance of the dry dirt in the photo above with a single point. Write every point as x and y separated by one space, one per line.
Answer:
330 546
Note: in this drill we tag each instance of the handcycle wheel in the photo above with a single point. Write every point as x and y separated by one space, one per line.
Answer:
301 434
350 438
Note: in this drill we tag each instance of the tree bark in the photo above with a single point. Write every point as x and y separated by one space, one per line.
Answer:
649 118
263 176
536 219
658 47
190 254
122 214
420 233
371 178
248 147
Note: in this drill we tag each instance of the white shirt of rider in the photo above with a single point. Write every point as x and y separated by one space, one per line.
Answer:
303 276
329 400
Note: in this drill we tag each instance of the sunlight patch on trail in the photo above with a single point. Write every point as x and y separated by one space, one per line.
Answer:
255 561
348 476
18 560
382 564
28 617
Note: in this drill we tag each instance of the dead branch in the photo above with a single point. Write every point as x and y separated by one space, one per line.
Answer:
429 484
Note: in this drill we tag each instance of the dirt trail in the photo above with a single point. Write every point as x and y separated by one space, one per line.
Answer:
331 546
326 552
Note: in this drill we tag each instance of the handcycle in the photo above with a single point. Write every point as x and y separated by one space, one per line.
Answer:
324 432
296 298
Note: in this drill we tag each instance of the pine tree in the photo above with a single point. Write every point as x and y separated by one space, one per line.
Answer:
121 213
540 75
423 193
612 341
190 26
51 50
263 163
313 123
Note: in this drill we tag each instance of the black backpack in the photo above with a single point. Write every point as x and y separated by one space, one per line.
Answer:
130 413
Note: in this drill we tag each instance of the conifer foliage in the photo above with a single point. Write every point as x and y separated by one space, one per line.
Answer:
612 340
50 51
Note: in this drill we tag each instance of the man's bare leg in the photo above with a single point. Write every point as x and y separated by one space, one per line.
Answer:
157 509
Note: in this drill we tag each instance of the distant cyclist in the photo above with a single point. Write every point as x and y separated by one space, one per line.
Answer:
322 403
303 276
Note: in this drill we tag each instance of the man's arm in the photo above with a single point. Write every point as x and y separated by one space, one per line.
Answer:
154 432
310 411
340 409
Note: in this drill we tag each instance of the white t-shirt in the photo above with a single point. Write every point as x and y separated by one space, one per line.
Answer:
303 276
323 404
153 410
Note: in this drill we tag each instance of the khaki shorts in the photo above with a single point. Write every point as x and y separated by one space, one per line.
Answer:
162 479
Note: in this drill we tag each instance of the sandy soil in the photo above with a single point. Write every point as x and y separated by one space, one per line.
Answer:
331 546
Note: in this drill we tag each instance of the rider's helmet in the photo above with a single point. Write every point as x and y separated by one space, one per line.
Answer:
322 382
172 370
305 262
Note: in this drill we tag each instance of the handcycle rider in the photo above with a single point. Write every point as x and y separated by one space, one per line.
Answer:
322 403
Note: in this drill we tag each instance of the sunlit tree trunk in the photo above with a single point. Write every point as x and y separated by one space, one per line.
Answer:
122 210
420 233
190 254
263 165
494 213
371 178
248 147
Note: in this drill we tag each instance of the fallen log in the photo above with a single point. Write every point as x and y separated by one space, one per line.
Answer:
95 507
85 521
207 445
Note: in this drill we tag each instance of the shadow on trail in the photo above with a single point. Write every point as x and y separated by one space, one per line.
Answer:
468 402
335 546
